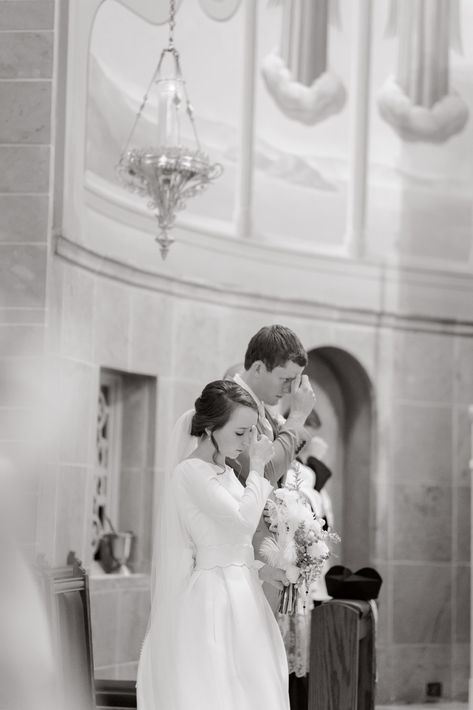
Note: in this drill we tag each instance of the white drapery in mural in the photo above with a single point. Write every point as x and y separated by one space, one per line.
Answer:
296 73
417 102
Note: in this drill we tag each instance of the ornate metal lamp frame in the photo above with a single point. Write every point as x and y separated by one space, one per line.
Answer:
167 174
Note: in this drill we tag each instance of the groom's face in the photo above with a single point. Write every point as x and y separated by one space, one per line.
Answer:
274 384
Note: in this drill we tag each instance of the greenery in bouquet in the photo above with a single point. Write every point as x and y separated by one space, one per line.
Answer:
299 545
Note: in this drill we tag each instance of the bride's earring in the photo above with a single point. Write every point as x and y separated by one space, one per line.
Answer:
210 434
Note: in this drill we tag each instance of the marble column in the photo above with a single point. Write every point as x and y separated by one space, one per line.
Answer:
359 129
243 202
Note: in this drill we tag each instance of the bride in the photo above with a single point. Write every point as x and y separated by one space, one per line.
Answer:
213 642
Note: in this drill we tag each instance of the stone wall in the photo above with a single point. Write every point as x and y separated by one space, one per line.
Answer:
418 500
26 90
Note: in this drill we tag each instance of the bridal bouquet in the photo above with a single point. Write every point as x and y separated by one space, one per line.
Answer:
300 545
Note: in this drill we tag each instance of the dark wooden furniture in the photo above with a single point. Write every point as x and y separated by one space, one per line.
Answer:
116 694
342 660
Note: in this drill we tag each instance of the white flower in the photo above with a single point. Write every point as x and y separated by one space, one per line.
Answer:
318 550
292 573
298 513
286 495
316 525
271 552
290 552
307 516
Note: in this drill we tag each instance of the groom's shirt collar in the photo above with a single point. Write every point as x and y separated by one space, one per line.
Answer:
264 421
240 381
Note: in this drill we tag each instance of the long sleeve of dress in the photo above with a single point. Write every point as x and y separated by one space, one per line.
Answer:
201 484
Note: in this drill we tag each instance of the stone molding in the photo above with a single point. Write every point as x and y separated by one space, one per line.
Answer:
231 297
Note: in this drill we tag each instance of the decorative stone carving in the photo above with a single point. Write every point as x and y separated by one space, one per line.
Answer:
296 74
104 503
102 468
418 102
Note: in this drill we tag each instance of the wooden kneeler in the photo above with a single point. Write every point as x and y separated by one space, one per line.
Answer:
342 656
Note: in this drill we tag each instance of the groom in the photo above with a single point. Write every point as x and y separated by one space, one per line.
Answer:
274 362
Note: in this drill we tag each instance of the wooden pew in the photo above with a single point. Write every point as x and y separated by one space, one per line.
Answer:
342 659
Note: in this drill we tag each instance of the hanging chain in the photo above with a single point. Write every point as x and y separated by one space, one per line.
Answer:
172 22
170 49
142 107
189 107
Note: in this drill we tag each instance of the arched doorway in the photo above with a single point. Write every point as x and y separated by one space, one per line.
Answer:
345 406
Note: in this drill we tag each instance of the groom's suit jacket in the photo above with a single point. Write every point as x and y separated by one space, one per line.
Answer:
286 444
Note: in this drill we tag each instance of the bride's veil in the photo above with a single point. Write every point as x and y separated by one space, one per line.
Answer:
171 567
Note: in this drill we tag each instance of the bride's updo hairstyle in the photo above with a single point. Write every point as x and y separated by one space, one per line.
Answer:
215 405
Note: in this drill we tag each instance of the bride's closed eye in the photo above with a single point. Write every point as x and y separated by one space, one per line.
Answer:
241 433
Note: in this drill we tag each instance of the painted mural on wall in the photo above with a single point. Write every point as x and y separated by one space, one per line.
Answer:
417 101
220 10
296 163
154 11
296 74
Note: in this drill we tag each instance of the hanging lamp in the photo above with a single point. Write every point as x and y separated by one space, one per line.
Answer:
170 172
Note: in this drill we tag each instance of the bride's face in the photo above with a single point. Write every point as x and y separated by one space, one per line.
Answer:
234 436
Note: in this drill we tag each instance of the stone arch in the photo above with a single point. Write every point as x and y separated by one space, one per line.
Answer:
346 407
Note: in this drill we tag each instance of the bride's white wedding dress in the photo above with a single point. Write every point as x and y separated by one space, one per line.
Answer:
229 654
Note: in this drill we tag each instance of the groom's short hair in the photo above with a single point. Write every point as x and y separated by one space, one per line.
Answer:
275 345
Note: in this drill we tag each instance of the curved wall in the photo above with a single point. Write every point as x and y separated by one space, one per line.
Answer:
186 334
407 321
432 277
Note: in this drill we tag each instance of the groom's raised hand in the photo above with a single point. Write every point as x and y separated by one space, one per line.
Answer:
302 402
